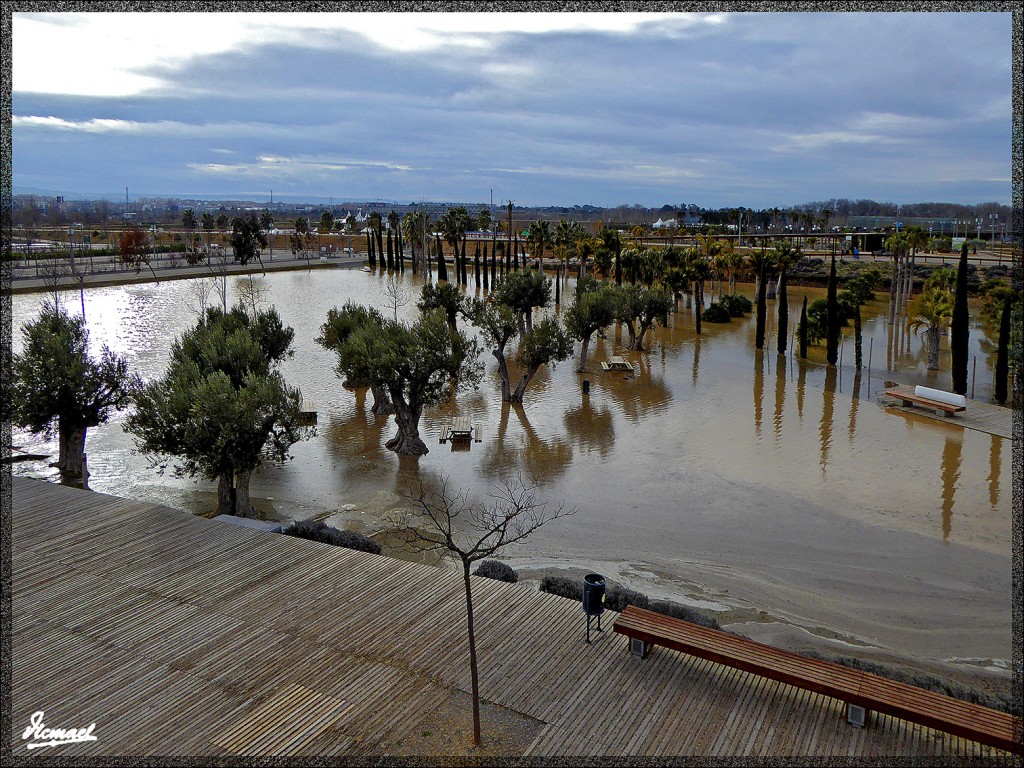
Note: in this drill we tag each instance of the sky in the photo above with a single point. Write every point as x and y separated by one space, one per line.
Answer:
605 109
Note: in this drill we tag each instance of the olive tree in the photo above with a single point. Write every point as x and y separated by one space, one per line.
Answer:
417 364
547 343
592 310
523 292
222 408
341 323
59 388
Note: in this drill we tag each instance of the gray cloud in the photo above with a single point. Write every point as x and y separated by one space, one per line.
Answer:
762 109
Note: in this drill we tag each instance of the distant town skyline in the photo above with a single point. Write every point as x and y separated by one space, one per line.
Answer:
718 109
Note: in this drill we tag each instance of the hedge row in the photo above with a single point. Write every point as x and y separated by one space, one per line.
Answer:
317 530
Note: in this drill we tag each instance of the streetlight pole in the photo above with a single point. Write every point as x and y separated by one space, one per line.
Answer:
992 243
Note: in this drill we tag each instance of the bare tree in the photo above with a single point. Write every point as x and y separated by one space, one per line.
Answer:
252 293
448 522
395 295
200 291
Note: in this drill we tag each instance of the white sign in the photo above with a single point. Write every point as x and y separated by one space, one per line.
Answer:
53 737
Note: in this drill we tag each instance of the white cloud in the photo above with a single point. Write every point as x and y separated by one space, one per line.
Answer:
110 54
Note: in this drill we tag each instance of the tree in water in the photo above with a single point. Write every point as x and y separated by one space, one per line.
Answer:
644 306
58 388
832 315
592 310
932 311
958 344
803 329
417 365
223 407
545 344
448 522
1002 372
341 323
446 297
523 292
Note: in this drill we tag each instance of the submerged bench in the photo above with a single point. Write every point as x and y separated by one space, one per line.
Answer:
929 398
861 691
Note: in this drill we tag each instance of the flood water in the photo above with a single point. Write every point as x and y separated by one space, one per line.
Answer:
718 476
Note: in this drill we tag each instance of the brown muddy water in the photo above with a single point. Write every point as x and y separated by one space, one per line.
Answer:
779 494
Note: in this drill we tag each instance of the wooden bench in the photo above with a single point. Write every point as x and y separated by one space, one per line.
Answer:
616 363
861 691
461 430
908 398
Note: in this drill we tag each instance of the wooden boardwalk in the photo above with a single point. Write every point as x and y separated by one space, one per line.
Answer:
179 635
983 417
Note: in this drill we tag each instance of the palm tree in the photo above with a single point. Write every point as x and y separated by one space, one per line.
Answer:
412 228
783 256
898 245
453 225
539 233
483 219
932 311
208 224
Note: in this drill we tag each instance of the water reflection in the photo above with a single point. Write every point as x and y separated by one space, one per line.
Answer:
758 390
696 361
638 396
950 471
780 396
593 430
854 404
541 459
801 385
994 467
827 408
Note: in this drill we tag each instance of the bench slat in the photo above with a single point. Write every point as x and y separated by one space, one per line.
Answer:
891 697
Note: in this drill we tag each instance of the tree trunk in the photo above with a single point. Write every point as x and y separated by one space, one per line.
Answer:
858 343
72 450
407 442
506 390
783 314
474 674
584 346
892 290
243 507
639 345
382 405
524 382
932 337
632 335
225 494
698 298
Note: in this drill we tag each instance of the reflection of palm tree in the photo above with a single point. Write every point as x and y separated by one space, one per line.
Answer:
994 466
758 390
801 383
780 399
827 407
696 360
593 430
950 469
854 403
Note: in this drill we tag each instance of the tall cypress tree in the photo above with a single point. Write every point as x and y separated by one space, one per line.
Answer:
476 264
390 252
486 281
442 268
761 289
803 329
1002 354
832 316
958 326
370 252
783 313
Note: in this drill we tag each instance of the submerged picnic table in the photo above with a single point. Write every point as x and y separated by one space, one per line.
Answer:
461 428
617 363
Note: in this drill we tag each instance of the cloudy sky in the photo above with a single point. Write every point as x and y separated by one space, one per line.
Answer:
546 109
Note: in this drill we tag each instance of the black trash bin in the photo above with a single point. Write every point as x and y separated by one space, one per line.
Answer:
593 594
593 599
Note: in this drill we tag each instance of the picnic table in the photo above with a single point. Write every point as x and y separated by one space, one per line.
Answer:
617 363
462 429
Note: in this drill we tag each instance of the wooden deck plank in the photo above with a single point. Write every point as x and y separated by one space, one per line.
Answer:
167 629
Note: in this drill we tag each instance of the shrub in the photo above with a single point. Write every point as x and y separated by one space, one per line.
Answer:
736 306
492 569
716 313
998 701
692 615
317 530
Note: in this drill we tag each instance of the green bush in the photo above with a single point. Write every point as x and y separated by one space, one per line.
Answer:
492 569
736 306
716 313
317 530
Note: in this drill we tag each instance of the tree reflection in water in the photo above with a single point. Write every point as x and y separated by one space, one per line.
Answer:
994 467
758 390
540 459
854 403
951 459
593 430
827 407
780 396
